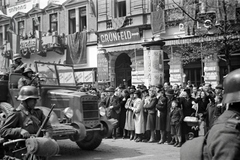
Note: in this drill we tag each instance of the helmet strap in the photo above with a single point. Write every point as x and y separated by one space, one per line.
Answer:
27 106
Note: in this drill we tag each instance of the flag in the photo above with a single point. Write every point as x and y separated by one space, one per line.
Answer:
38 35
92 7
14 41
117 23
36 21
158 21
12 26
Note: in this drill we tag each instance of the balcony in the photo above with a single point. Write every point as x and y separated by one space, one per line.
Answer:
127 22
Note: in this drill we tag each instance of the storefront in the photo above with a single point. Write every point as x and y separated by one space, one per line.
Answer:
120 58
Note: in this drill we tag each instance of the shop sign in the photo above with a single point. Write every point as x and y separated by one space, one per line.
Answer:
30 43
25 7
113 37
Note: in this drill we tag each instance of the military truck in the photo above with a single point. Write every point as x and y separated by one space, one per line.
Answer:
76 114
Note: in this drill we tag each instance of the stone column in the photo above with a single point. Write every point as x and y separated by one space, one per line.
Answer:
211 70
112 75
77 19
153 65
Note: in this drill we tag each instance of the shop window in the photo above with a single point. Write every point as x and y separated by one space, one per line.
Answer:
72 21
53 22
82 19
21 28
120 8
36 24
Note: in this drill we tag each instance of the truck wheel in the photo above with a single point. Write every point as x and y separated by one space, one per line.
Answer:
92 141
5 110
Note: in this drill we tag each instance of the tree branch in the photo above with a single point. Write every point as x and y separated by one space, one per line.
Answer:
184 11
222 58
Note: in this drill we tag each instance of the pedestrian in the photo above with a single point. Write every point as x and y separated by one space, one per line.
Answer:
130 124
161 115
112 105
176 117
150 106
138 116
122 117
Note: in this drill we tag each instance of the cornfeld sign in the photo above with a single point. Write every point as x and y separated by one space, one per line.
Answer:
113 37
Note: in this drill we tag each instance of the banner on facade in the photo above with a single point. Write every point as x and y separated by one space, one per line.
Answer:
102 67
85 76
77 48
158 21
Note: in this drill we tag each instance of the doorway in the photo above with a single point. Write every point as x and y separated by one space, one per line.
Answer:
123 70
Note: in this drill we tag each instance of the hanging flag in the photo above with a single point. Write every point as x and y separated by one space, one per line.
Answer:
38 35
158 21
117 23
12 26
92 7
36 21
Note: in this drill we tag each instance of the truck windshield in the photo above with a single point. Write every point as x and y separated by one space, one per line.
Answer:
55 74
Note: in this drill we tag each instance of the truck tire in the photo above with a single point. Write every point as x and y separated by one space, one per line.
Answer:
92 141
5 110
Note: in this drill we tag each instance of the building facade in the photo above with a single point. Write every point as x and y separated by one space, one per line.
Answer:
51 33
151 38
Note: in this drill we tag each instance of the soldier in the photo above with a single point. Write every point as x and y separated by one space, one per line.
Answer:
222 142
26 119
27 79
18 66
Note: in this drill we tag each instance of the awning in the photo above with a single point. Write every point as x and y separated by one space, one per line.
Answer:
194 39
122 48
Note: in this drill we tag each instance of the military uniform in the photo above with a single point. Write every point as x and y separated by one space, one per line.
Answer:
22 119
16 68
26 81
223 141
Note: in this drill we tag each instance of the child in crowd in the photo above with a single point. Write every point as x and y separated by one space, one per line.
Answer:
176 117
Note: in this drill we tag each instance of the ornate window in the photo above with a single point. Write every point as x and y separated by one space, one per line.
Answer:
82 19
72 21
36 24
120 8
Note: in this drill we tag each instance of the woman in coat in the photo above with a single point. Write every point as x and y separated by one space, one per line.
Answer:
150 106
129 124
138 115
161 115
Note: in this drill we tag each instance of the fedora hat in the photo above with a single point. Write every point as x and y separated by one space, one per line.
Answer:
170 92
138 92
110 89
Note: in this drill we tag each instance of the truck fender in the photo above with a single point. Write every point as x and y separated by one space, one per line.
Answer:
81 132
53 118
107 128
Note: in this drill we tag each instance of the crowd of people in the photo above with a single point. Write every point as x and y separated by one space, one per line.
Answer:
156 113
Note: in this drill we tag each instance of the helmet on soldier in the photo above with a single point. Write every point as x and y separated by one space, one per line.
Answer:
27 92
231 87
16 56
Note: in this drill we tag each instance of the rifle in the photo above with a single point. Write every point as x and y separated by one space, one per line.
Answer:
45 121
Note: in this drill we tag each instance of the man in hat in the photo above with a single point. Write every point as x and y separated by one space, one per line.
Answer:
18 66
27 79
112 105
219 90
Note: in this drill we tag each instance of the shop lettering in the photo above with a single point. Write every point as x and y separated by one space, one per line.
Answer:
17 8
117 36
114 37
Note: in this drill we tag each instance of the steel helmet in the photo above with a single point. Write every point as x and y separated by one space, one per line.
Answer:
16 56
231 87
27 70
27 92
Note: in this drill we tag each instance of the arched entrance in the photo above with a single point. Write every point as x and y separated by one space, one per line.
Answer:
123 69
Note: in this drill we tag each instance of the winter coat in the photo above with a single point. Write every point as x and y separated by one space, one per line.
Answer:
138 116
